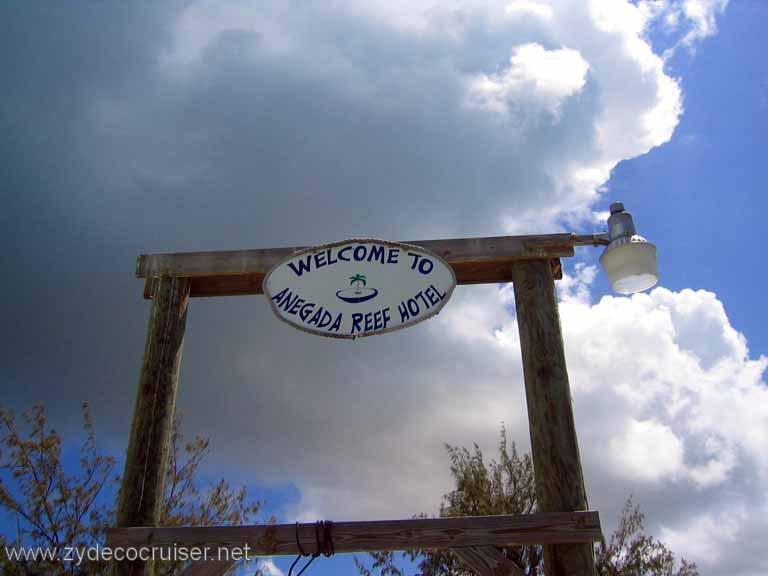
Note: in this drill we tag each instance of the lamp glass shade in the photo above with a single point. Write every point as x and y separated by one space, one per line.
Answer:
630 265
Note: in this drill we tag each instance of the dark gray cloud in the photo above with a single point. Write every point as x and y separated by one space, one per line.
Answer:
108 153
61 340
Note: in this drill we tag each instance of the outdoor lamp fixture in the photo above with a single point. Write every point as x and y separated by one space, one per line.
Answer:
629 259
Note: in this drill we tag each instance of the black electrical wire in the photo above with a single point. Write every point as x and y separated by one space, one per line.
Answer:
323 540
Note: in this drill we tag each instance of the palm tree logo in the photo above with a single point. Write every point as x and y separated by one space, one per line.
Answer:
356 280
358 291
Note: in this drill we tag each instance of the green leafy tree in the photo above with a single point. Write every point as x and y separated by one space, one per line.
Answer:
54 508
507 486
631 551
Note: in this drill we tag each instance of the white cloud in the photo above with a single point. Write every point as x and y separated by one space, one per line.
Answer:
647 450
523 8
702 14
685 22
669 406
667 382
268 567
542 77
708 536
584 75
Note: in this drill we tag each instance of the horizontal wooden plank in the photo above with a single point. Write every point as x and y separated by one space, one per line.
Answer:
241 285
240 272
281 539
454 251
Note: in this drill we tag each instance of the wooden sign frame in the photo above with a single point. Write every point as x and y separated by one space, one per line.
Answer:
564 525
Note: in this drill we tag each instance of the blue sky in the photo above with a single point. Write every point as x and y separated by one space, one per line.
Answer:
203 125
699 197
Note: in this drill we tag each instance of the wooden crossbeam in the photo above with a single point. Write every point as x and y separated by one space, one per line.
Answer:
373 536
240 272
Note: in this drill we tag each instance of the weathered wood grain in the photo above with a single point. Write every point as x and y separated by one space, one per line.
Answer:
487 561
142 485
240 272
490 272
280 539
556 462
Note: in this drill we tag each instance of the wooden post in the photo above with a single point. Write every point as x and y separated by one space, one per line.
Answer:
141 492
556 462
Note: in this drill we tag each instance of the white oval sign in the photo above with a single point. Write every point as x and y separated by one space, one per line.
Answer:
358 288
